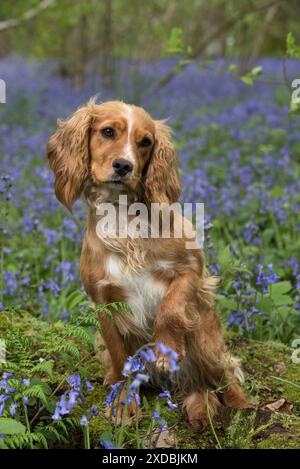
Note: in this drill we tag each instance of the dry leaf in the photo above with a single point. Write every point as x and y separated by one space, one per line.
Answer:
280 367
281 405
165 439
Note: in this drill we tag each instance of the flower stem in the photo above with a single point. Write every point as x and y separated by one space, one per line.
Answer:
27 424
86 434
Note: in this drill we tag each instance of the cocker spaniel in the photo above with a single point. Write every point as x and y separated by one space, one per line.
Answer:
112 149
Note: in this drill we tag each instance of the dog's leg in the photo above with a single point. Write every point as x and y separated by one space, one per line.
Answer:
117 354
232 394
217 368
115 346
199 407
171 322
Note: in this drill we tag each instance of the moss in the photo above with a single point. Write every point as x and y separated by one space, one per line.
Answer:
262 363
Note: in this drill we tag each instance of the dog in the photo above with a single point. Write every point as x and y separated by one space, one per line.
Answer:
112 149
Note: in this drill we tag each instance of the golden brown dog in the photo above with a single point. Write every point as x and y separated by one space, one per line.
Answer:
115 149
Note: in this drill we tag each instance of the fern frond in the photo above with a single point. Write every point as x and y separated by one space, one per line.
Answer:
36 391
45 367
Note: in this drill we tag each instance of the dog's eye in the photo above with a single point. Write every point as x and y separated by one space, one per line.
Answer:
146 142
108 132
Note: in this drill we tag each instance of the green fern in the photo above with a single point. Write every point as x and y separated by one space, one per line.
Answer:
37 391
45 367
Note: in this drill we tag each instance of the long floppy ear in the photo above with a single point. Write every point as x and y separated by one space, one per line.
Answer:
162 182
68 155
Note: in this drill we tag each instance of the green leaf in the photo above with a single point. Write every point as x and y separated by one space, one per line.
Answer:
107 436
37 391
267 235
265 305
74 299
45 367
226 303
174 43
10 426
279 288
232 68
247 80
256 71
225 259
282 300
292 49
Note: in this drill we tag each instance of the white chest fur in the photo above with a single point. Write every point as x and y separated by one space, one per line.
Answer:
143 291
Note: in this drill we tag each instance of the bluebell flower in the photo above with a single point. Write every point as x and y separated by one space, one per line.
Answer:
171 405
163 426
155 415
3 399
167 351
25 400
13 409
56 415
167 395
107 444
132 365
138 380
173 366
74 381
64 405
89 386
84 421
73 398
148 355
113 393
94 411
26 382
264 279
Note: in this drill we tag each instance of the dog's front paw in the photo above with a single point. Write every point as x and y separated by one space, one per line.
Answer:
166 358
122 411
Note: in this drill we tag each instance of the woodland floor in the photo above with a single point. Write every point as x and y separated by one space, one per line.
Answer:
273 423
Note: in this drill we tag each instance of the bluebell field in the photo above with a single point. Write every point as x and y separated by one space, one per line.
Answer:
238 151
239 154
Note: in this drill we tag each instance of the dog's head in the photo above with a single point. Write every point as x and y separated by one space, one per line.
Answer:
114 144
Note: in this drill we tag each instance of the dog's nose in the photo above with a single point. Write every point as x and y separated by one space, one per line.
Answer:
122 166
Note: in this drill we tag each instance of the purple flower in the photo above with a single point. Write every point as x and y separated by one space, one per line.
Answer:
113 393
167 395
3 399
56 415
173 366
155 415
167 352
13 409
107 444
25 400
84 421
264 280
74 381
163 426
89 386
94 411
132 365
64 406
73 398
148 355
138 380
